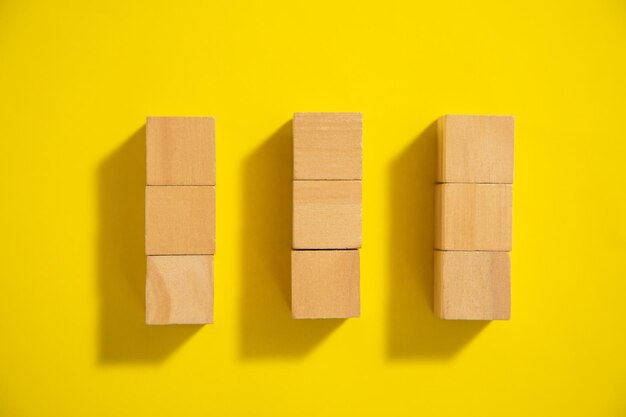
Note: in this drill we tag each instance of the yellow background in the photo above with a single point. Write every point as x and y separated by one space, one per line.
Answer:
76 82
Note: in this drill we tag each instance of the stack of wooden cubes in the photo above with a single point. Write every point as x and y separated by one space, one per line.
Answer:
473 218
180 219
326 215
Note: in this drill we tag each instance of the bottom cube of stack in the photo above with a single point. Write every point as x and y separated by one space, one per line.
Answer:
325 284
179 289
472 285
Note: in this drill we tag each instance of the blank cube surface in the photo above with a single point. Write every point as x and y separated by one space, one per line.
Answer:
325 284
179 289
472 285
327 146
476 149
180 150
473 217
326 214
180 220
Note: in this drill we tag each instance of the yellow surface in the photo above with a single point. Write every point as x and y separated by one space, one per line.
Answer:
76 82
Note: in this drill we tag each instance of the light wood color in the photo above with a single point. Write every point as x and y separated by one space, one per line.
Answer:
180 220
180 150
325 284
476 149
179 289
472 285
326 214
473 217
327 146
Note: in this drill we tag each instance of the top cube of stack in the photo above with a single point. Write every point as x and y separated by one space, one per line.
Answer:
476 149
327 146
180 151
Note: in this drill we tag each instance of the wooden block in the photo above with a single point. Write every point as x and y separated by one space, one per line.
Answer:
180 220
327 146
473 217
325 284
326 214
180 150
472 285
179 289
476 149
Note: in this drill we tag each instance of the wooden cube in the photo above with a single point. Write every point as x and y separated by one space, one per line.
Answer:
476 149
325 284
179 289
327 146
326 214
473 217
472 285
180 220
180 150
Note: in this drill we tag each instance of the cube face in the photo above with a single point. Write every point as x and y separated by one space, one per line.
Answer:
325 284
476 149
327 146
473 217
472 285
180 151
179 289
326 214
180 220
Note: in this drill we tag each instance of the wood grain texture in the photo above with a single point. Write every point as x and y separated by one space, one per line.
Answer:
476 149
327 146
180 220
473 217
472 285
325 284
179 289
326 214
180 150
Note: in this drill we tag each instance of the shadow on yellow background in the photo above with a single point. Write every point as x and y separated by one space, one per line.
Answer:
267 329
124 337
414 331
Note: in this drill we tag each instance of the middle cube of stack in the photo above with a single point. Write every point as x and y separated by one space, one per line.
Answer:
326 215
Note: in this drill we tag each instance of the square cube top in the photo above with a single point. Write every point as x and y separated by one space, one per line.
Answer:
327 146
179 289
180 151
473 217
180 220
326 214
325 284
472 285
476 149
